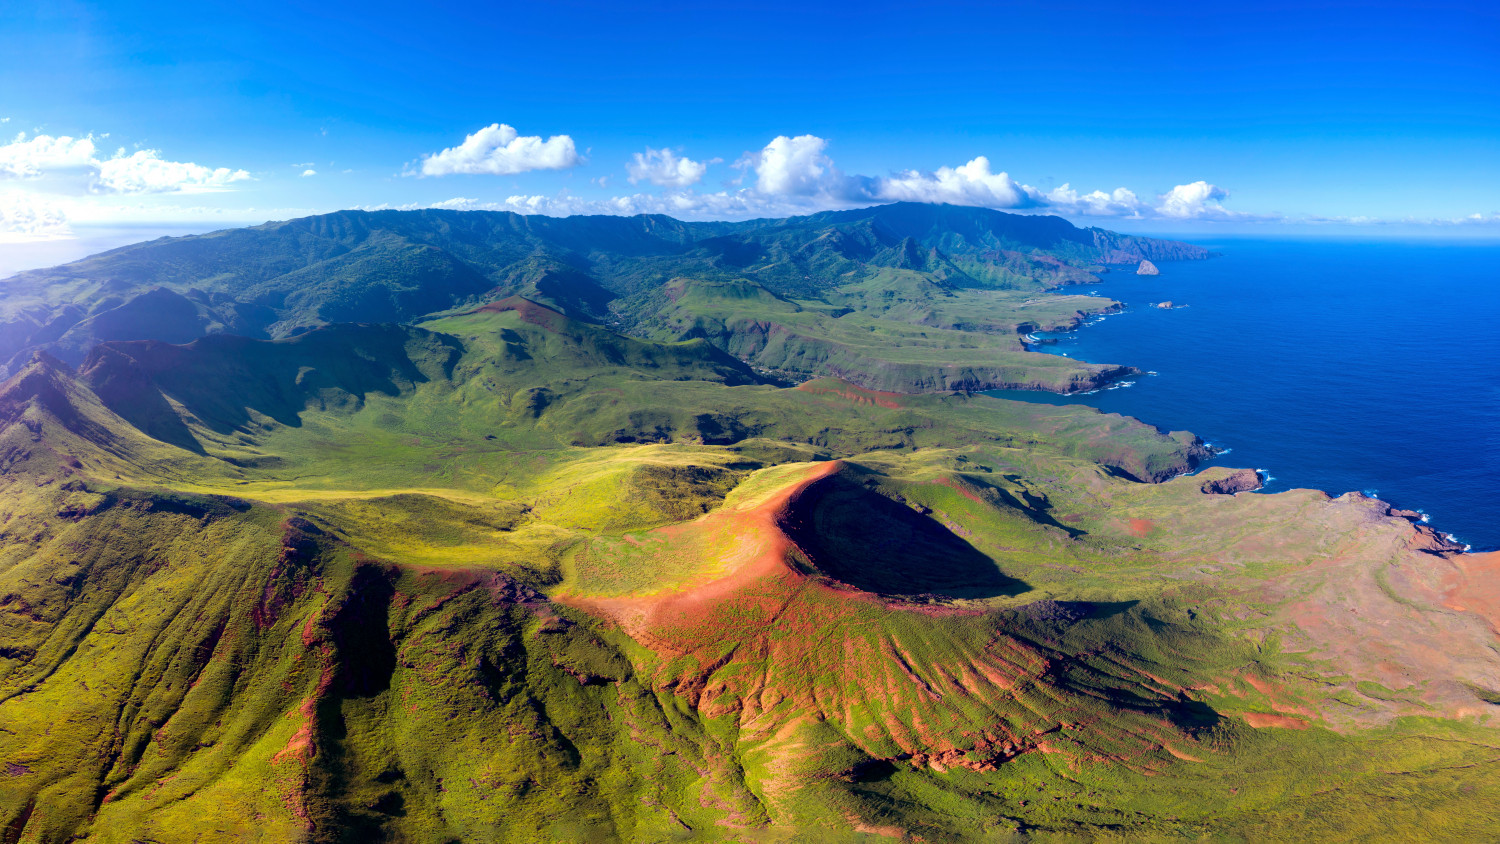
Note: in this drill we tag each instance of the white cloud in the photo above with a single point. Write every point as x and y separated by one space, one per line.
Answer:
144 171
750 203
795 175
665 168
799 167
498 150
1197 201
970 184
1358 220
457 203
25 217
1121 202
794 167
789 175
1476 219
684 205
27 159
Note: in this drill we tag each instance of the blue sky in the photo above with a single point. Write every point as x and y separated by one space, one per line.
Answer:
132 117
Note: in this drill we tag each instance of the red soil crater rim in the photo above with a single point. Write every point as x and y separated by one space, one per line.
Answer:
769 563
527 310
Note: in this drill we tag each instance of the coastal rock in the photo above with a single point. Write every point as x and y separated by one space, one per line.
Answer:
1431 541
1241 480
1166 306
1147 268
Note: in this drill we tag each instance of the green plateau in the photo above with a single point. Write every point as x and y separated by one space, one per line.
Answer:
469 527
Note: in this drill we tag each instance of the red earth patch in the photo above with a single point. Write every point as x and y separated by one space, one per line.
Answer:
858 395
1260 720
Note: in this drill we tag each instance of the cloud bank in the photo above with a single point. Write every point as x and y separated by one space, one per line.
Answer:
27 217
796 175
47 181
143 171
59 177
25 158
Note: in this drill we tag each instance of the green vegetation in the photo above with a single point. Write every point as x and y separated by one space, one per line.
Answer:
861 280
880 336
504 574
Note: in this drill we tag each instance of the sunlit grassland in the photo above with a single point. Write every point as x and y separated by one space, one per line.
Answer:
374 614
895 330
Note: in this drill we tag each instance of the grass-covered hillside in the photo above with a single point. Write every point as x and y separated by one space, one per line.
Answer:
505 574
867 282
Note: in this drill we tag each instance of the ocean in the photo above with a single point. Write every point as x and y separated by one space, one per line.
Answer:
1340 365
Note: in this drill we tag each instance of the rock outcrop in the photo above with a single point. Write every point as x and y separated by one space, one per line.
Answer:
1242 480
1166 306
1147 268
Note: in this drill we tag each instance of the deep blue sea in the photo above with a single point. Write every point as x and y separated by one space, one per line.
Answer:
1340 365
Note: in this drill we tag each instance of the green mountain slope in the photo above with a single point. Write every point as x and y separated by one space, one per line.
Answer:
507 575
280 279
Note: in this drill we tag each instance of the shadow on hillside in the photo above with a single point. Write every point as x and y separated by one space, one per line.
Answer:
1182 712
860 537
1092 641
1035 506
221 379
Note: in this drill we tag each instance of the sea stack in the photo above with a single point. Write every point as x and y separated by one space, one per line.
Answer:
1167 305
1147 268
1240 480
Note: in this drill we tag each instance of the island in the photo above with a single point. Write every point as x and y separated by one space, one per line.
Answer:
440 525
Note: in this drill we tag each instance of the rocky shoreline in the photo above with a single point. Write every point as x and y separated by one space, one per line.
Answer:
1255 480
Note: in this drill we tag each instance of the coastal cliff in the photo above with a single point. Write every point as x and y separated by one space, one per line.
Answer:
1237 481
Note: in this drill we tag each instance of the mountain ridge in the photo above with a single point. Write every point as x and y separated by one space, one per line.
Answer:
280 279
